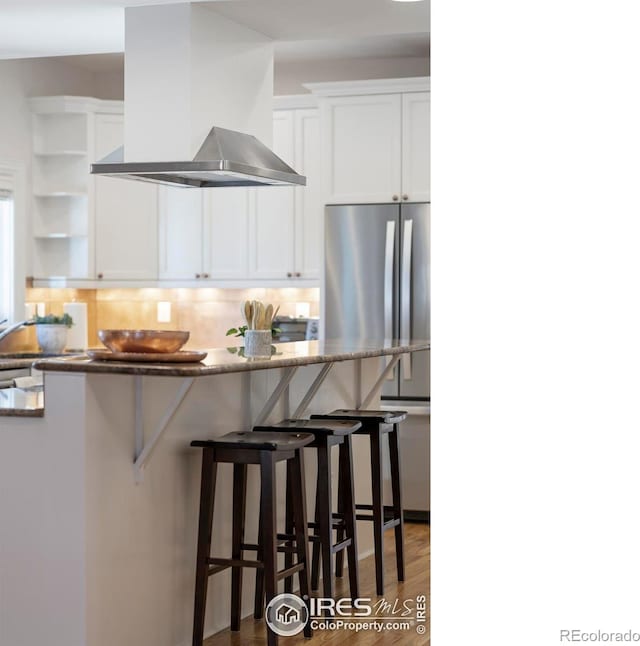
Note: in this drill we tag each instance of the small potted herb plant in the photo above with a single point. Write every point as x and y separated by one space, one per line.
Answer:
51 332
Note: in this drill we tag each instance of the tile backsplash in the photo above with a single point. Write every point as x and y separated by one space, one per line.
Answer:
206 312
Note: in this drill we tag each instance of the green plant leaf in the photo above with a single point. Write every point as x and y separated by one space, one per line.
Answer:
52 319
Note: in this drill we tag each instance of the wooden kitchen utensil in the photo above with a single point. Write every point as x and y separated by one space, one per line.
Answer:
247 311
268 315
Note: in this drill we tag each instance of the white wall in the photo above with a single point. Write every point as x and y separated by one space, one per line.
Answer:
289 76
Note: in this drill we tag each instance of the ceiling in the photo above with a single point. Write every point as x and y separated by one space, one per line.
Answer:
303 29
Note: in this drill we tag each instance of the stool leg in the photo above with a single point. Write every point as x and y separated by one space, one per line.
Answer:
207 495
289 524
239 503
258 605
324 516
299 504
349 514
378 509
396 488
340 530
315 559
269 539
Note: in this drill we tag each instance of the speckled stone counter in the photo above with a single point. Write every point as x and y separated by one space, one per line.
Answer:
16 360
16 402
232 359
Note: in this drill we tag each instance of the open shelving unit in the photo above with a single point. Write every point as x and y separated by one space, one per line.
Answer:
60 179
62 188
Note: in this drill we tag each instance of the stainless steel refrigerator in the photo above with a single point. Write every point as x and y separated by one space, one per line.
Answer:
377 287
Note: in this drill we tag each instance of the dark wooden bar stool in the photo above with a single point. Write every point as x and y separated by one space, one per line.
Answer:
241 449
376 424
327 434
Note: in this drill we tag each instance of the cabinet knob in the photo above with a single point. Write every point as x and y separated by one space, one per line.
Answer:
100 275
197 275
405 197
298 274
289 274
395 198
205 275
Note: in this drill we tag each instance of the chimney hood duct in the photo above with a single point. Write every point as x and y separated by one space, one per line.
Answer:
226 158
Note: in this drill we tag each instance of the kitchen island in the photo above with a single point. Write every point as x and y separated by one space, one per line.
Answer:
100 495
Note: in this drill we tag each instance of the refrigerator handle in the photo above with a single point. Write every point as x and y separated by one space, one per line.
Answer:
405 293
389 253
389 258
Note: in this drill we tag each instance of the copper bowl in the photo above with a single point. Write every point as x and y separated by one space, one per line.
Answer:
160 341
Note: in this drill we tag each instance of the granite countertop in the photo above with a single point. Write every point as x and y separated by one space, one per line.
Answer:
16 360
232 359
16 402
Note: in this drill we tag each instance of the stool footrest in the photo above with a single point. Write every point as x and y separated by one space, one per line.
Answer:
388 509
336 523
338 547
290 571
235 562
391 522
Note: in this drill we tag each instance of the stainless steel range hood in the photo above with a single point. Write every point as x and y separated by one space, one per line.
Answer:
226 158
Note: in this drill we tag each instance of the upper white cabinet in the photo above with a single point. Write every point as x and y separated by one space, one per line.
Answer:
362 148
286 231
416 158
226 233
273 219
204 233
126 220
267 234
180 242
309 205
375 140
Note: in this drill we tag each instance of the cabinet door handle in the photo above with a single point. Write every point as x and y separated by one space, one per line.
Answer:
405 197
395 198
205 275
298 274
289 274
197 275
100 275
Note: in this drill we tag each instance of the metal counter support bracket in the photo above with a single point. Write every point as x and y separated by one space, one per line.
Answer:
143 450
270 404
313 389
376 387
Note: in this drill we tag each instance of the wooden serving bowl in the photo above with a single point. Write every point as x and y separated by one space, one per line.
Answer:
159 341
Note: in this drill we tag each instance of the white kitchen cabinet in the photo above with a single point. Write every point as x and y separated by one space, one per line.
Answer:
362 148
226 233
375 140
272 236
416 159
258 235
180 239
204 233
126 215
287 221
309 205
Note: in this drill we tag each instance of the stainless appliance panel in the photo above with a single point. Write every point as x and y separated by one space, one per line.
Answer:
415 296
361 251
